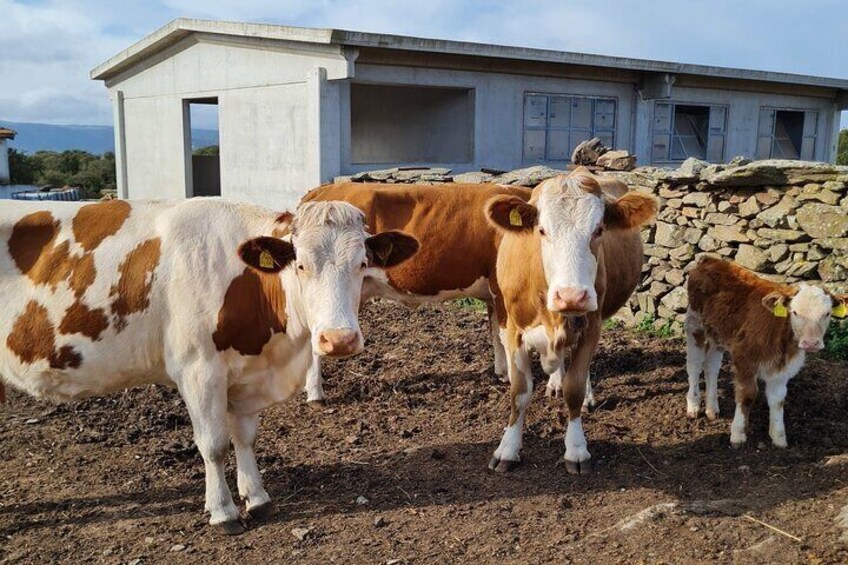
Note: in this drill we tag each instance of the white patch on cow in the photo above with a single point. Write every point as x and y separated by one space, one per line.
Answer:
575 442
810 311
695 355
314 383
589 398
569 217
738 427
510 445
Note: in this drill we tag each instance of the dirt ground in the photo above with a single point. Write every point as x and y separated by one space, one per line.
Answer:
394 470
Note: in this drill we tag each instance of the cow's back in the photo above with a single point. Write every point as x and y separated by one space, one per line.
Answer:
92 291
458 246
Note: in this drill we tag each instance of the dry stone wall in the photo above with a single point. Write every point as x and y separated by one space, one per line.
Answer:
786 220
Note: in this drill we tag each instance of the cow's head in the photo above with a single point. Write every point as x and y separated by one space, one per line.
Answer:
809 310
568 214
323 266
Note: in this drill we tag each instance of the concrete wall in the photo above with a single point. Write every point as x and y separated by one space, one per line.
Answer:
742 121
4 162
498 109
269 102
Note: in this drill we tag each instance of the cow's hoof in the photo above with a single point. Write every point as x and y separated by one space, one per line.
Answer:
263 511
578 467
229 528
712 414
587 408
553 392
693 412
502 465
317 405
737 444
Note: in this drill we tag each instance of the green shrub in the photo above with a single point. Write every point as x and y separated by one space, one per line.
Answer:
836 340
471 303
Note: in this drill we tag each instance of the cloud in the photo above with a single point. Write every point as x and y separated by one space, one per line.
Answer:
50 46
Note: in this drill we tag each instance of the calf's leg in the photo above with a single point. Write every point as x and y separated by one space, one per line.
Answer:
506 456
745 386
243 430
315 384
695 356
501 368
776 396
712 366
203 388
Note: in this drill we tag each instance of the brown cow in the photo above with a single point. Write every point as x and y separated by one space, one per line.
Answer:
569 257
767 327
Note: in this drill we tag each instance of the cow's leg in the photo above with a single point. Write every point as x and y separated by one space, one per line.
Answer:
554 387
577 457
746 393
776 396
204 391
695 356
507 456
501 369
589 400
243 430
315 384
712 366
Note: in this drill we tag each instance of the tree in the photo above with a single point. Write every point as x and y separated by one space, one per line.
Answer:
208 150
22 168
842 148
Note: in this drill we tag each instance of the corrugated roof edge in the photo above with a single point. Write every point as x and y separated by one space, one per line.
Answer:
179 28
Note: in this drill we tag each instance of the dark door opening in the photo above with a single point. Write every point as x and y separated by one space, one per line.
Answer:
202 131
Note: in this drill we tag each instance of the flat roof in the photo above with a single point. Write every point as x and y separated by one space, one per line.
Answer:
182 27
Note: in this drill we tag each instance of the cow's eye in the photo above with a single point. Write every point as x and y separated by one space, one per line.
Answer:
598 232
300 267
364 264
542 232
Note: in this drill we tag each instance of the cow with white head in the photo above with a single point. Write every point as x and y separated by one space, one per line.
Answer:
569 258
106 296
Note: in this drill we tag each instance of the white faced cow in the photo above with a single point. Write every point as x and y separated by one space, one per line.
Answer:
101 297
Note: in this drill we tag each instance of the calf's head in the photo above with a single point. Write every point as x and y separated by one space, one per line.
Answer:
568 215
323 267
809 310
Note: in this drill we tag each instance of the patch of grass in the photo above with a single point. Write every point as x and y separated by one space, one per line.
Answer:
471 303
836 340
646 326
613 324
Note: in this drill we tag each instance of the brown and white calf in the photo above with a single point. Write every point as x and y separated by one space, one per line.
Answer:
767 328
569 257
105 296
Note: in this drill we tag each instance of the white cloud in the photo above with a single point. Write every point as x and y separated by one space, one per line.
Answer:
49 47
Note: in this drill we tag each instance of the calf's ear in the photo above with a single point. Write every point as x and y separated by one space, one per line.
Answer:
840 305
390 248
266 254
775 302
511 213
633 210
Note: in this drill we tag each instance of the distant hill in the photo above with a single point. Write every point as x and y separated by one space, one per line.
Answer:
94 139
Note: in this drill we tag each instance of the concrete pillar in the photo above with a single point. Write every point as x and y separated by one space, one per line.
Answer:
120 144
324 127
5 175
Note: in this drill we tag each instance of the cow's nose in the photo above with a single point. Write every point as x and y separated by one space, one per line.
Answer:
811 345
338 343
570 299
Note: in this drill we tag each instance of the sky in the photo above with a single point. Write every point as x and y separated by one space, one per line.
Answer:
48 47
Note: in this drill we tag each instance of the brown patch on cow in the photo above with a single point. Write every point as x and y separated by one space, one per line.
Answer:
254 309
33 248
80 319
82 274
131 294
282 225
33 339
95 222
631 211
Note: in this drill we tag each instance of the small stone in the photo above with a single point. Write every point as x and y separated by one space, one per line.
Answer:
719 219
708 243
669 235
675 277
749 208
744 468
768 198
32 421
683 253
301 533
134 562
674 203
617 161
361 500
177 547
750 257
821 220
777 252
694 529
776 216
781 235
725 206
728 234
379 522
698 199
676 300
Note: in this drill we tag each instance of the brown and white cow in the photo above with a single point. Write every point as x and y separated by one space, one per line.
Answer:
768 328
569 257
100 297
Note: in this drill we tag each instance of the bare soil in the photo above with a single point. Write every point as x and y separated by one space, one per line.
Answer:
394 470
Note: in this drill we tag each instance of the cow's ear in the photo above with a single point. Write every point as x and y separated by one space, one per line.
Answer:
633 210
266 254
511 213
390 248
840 305
775 302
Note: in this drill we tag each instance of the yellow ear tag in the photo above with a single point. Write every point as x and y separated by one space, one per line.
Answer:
515 218
840 311
266 261
780 311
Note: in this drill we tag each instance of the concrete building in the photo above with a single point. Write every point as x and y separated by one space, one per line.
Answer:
299 106
5 173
